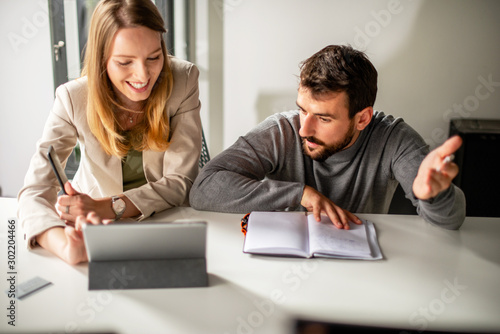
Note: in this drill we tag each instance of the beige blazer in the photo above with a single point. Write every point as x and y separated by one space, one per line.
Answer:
169 174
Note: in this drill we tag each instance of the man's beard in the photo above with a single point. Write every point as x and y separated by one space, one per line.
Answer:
323 152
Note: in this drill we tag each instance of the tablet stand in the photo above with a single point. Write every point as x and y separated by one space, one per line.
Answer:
148 274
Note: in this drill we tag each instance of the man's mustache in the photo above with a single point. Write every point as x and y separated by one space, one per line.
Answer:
312 140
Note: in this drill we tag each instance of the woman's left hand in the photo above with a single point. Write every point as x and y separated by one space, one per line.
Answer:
74 250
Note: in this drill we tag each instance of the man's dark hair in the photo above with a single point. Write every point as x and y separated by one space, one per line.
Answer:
338 68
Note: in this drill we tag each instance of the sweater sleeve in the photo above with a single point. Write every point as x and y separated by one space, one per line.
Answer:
236 180
447 209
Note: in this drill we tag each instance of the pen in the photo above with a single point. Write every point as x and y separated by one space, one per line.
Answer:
449 159
446 160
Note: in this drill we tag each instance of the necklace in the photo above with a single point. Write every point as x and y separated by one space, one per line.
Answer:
130 115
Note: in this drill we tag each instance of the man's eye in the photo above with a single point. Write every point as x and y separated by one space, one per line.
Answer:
324 120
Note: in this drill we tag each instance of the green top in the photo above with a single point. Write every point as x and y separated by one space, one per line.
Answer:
132 171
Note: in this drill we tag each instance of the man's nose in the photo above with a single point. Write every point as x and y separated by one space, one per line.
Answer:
307 126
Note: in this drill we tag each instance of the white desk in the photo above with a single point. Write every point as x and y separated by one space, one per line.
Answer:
443 280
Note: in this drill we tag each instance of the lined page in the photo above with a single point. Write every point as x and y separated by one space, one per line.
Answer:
327 239
279 233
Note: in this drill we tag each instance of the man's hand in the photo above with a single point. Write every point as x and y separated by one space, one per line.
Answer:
317 203
436 172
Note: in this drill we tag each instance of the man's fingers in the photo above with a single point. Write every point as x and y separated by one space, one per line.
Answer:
317 213
449 147
334 217
449 170
353 218
344 220
436 183
317 203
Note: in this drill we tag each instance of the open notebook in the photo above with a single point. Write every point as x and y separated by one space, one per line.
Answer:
299 234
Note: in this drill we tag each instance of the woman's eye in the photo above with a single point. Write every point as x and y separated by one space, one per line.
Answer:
154 58
124 64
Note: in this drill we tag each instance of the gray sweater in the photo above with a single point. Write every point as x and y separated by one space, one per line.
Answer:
266 170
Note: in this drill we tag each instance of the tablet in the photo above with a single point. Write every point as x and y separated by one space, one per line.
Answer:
145 240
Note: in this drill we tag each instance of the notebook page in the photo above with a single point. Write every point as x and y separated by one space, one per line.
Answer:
277 233
327 239
372 239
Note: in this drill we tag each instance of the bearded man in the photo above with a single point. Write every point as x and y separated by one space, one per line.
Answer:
334 155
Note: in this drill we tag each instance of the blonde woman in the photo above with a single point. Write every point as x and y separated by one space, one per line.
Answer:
135 114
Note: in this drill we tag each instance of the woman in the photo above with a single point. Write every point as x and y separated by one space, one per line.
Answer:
135 113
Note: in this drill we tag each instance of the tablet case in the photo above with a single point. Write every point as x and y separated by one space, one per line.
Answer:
146 255
148 274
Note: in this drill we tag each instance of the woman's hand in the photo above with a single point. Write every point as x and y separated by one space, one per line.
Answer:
75 204
65 242
73 250
91 218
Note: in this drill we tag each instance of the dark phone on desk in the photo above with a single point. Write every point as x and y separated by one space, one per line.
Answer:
57 168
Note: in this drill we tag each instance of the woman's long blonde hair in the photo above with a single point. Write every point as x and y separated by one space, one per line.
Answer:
153 133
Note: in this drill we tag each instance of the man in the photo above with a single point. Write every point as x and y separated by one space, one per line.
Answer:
335 155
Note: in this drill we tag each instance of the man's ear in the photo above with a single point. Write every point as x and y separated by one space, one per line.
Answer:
363 118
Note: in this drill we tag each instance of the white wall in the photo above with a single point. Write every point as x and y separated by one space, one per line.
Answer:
430 55
26 88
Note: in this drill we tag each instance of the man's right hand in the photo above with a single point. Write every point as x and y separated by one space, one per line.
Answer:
317 203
